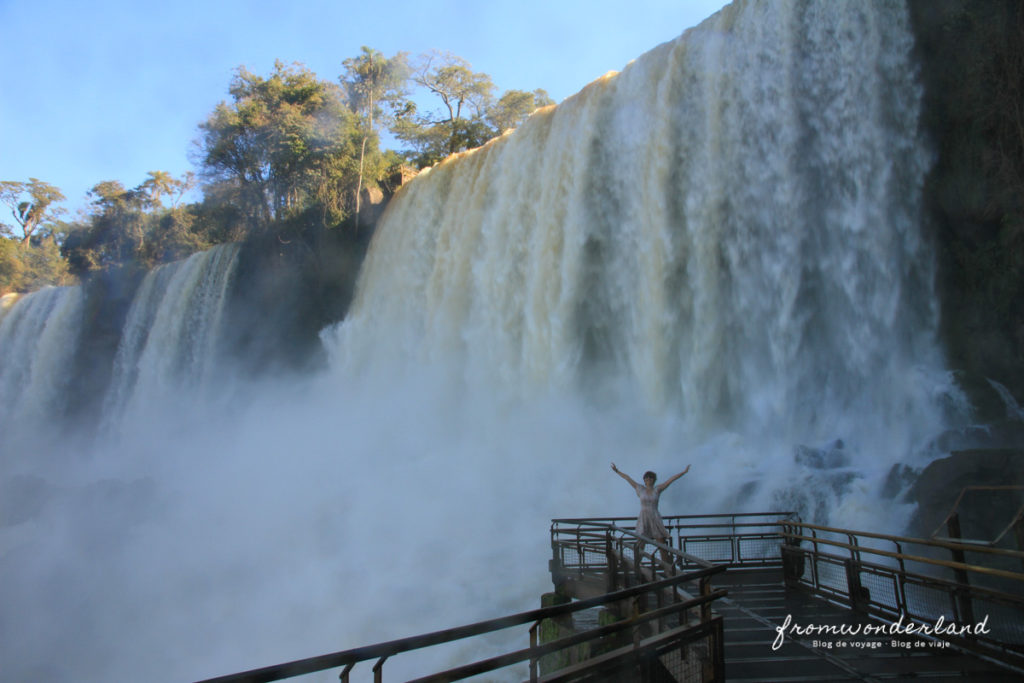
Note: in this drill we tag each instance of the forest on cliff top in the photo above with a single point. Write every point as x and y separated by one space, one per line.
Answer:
288 153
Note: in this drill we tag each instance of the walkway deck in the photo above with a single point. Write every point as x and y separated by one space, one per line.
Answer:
710 606
759 602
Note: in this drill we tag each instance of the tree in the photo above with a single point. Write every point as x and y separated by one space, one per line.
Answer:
278 142
459 125
34 211
132 226
162 183
514 107
372 81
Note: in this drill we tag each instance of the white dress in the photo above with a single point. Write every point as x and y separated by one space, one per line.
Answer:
649 523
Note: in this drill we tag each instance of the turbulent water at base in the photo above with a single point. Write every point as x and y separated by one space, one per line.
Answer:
712 258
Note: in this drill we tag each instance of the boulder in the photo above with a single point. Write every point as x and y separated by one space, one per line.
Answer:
984 514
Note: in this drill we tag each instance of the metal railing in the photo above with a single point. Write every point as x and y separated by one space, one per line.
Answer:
733 540
630 646
662 597
978 608
592 556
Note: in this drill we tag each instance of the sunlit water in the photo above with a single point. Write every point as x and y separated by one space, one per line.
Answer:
713 258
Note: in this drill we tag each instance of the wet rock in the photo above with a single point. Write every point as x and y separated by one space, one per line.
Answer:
983 513
829 457
899 478
1007 433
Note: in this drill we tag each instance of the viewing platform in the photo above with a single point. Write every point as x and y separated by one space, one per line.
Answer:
738 597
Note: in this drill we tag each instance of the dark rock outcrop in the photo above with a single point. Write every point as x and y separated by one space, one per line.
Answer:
984 514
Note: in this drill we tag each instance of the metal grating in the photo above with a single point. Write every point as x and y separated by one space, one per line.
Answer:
882 588
758 548
830 573
712 550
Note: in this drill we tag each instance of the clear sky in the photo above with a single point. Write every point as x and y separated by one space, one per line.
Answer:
112 89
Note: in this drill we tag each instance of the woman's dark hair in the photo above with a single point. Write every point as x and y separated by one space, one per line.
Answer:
650 474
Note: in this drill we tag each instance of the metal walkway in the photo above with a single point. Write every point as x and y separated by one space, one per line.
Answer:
741 597
759 603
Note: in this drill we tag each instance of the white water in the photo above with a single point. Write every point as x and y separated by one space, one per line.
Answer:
38 337
710 258
169 344
726 234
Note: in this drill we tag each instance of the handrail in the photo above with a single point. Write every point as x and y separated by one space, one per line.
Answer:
948 545
738 540
349 658
1017 517
645 540
1017 576
500 661
786 513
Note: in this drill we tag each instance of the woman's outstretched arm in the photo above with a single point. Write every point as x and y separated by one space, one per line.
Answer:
623 475
662 487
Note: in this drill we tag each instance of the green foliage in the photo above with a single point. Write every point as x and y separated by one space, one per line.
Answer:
132 226
375 85
514 106
373 81
11 266
468 117
31 259
286 158
283 141
459 124
32 204
26 266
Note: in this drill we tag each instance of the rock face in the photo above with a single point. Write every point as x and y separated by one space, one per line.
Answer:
984 514
970 56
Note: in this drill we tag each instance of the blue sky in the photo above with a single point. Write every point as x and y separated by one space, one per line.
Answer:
111 89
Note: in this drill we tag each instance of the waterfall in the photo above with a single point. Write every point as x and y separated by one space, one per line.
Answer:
38 337
169 345
728 230
714 257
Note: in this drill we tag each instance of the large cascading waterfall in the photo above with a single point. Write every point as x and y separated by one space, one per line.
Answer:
729 231
714 257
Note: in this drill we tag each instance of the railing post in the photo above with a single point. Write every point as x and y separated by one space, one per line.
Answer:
860 597
705 608
792 556
378 670
963 591
734 545
815 579
613 563
901 598
1018 531
533 652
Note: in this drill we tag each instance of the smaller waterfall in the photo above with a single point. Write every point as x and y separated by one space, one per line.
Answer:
39 336
1013 409
170 338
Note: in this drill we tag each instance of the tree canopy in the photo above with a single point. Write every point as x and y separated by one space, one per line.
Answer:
376 88
283 148
33 205
281 140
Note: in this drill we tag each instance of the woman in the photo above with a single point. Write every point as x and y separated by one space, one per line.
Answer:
649 523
